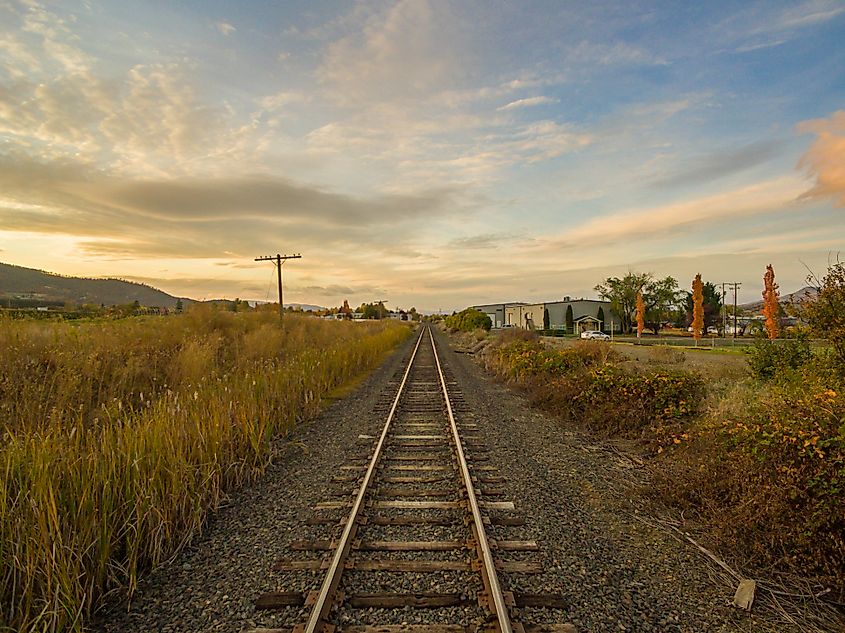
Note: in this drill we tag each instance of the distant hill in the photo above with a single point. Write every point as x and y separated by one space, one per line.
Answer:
807 293
306 307
37 287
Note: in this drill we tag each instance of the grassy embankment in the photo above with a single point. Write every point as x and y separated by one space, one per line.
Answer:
757 457
120 437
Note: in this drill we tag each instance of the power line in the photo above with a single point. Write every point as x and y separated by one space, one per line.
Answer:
278 262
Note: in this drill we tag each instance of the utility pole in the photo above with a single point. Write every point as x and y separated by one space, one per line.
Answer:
278 261
380 304
731 285
736 285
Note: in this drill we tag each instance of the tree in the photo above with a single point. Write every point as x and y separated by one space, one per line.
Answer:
371 310
697 307
570 320
179 306
826 314
712 303
640 314
622 294
600 317
659 296
771 303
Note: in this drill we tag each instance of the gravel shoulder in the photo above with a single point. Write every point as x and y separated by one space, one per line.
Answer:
616 572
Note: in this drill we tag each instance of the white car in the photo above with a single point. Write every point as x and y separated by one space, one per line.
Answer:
595 335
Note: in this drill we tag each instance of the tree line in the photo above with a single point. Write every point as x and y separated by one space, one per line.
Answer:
643 301
661 301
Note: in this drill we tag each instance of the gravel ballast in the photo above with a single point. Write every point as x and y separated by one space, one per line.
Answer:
615 572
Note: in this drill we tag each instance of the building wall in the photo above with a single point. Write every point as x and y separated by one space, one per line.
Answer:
518 315
534 312
580 308
515 313
496 311
557 314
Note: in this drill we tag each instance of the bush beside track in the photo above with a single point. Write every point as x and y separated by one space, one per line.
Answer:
759 462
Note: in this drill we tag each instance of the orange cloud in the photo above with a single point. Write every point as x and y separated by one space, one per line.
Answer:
826 157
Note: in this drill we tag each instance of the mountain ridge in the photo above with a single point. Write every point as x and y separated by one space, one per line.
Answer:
31 287
36 287
807 293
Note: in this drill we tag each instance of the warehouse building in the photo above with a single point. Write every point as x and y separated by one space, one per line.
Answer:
570 315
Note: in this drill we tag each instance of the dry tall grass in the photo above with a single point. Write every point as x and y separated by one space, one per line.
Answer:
120 437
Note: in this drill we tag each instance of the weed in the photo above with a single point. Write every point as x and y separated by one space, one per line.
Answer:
120 437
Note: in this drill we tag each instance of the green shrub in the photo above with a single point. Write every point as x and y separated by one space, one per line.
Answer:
826 314
652 406
583 385
768 358
468 320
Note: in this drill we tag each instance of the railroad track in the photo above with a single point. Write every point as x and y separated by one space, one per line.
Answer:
406 545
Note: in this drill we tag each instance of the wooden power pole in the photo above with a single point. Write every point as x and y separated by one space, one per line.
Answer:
380 304
278 260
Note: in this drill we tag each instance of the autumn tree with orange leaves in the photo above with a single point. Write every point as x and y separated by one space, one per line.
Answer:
640 314
771 303
697 307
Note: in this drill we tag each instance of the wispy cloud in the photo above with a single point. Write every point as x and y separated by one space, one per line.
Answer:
720 164
482 241
151 120
810 13
200 218
767 26
225 28
589 54
772 196
527 103
749 48
403 52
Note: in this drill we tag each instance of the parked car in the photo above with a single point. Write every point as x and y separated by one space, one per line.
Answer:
595 335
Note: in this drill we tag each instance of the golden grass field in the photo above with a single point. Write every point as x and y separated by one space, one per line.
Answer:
119 438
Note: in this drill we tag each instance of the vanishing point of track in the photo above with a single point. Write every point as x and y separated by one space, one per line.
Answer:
428 473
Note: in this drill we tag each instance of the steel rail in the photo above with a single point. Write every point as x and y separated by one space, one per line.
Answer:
323 604
489 565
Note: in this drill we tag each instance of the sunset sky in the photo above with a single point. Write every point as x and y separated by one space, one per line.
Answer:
434 154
